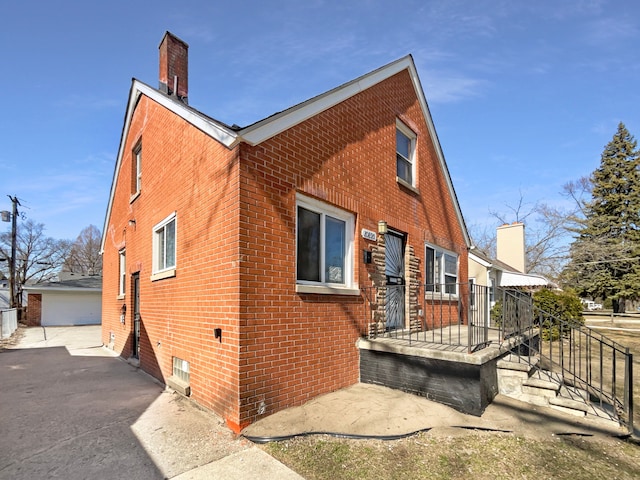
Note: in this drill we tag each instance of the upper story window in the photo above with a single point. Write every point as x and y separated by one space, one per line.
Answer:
324 247
122 273
405 154
164 246
441 270
136 169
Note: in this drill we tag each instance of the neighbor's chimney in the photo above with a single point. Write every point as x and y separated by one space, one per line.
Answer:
510 246
174 63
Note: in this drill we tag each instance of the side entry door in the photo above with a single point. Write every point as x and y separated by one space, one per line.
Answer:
135 280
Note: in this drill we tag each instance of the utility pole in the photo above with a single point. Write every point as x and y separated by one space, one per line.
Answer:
13 294
12 266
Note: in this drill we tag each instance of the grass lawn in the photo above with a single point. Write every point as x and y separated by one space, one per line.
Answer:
453 453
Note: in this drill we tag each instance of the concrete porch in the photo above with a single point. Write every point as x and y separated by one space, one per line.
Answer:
437 365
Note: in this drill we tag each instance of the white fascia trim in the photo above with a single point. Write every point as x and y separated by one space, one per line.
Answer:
64 289
479 260
214 130
436 143
269 127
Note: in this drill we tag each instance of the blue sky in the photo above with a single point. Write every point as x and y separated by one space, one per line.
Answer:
524 94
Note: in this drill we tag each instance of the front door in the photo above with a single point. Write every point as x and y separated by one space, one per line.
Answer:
135 351
394 270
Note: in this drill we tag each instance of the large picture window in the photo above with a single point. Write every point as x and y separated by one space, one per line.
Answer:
324 244
441 270
164 245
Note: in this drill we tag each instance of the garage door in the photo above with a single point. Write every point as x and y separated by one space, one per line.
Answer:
71 309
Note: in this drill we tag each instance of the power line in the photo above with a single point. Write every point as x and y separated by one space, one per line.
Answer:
608 261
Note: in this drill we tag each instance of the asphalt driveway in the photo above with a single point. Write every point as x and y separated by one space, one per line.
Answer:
69 409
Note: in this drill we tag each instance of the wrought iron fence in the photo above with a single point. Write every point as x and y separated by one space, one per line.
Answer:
596 368
453 314
470 317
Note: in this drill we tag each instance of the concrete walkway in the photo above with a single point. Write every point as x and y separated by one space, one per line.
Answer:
375 411
74 411
71 409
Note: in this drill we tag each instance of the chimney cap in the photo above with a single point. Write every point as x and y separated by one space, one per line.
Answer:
174 37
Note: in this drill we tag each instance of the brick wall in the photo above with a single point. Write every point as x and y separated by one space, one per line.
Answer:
236 222
34 309
186 172
297 346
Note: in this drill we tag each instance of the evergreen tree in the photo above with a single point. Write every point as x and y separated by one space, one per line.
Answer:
605 256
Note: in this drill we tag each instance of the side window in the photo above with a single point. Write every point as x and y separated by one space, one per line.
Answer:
122 273
324 244
405 154
136 169
441 270
164 245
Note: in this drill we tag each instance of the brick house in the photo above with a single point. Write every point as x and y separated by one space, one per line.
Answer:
237 259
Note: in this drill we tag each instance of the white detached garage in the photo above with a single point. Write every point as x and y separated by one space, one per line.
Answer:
77 301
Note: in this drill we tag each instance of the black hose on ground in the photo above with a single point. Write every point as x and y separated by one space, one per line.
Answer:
350 436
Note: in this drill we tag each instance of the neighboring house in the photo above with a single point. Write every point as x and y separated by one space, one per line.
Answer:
70 301
237 259
508 270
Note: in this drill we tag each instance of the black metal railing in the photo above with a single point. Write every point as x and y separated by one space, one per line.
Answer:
597 369
453 314
468 317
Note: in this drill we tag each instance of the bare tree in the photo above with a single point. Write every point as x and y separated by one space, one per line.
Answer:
38 257
84 257
549 229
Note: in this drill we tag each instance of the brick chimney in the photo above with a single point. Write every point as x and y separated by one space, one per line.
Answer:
174 63
510 245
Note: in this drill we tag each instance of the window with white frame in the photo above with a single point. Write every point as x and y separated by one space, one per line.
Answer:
122 273
164 245
136 169
324 244
405 154
441 270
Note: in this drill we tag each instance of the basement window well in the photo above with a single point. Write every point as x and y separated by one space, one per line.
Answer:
180 378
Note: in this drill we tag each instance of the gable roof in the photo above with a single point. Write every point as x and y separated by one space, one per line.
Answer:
80 284
262 130
509 277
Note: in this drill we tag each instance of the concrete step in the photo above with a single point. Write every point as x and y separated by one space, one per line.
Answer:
516 363
574 393
542 387
567 405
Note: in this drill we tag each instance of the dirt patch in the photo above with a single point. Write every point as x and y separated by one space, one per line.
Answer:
13 339
478 455
446 453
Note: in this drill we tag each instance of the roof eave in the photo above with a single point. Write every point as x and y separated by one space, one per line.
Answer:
215 130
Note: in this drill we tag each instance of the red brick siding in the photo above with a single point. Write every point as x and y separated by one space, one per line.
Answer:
183 171
297 346
34 309
236 246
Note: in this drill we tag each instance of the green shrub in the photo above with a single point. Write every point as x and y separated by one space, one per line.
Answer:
558 307
496 314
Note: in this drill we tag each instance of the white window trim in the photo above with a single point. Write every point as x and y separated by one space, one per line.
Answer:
137 152
349 287
411 135
136 164
441 280
122 273
160 273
